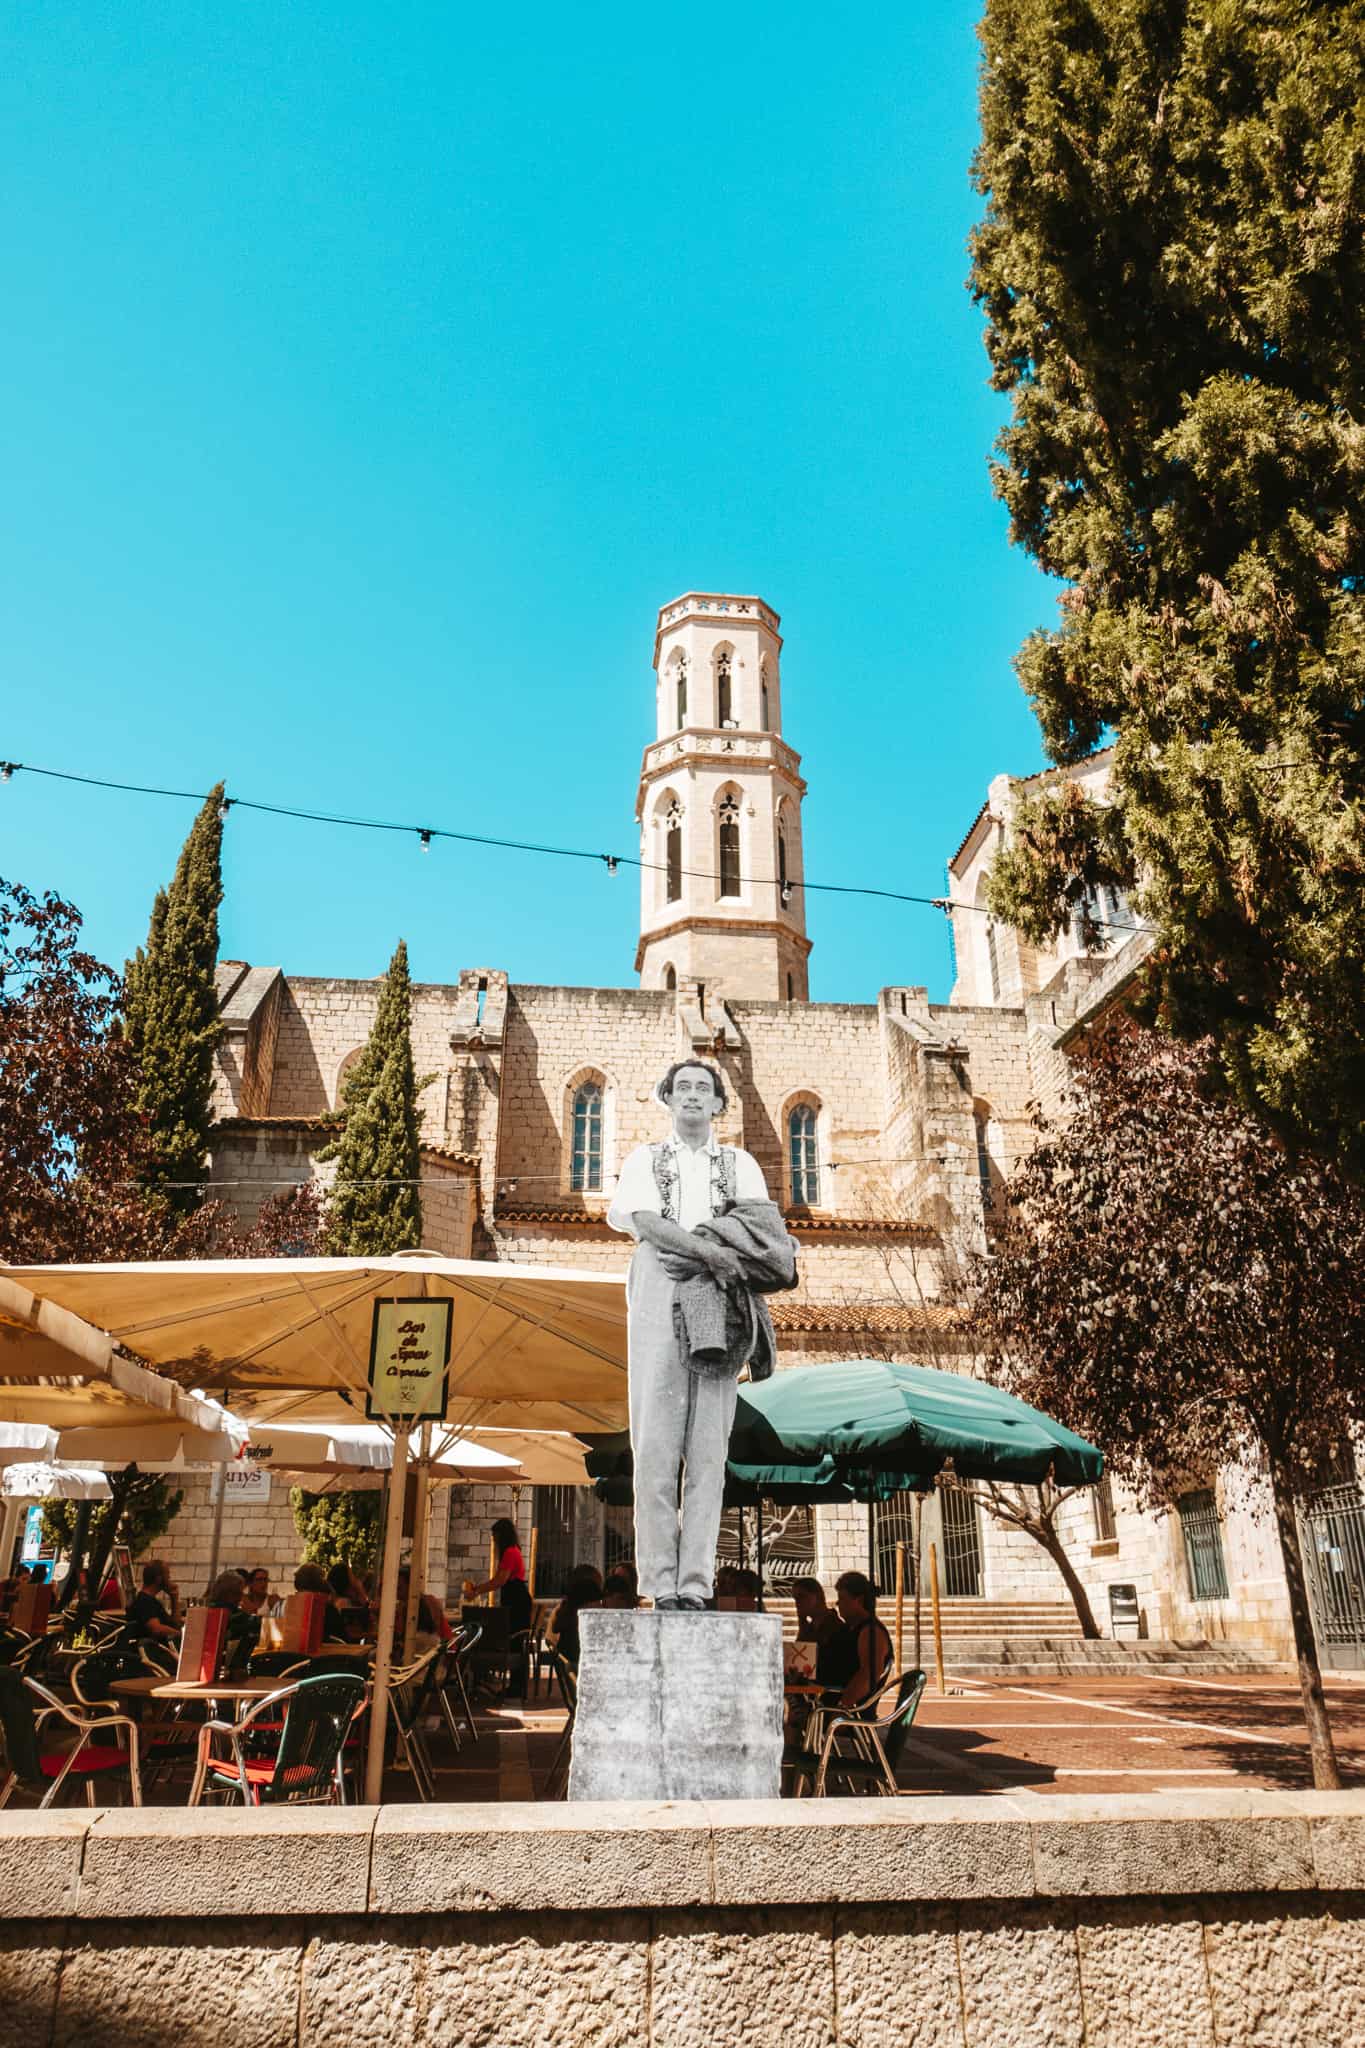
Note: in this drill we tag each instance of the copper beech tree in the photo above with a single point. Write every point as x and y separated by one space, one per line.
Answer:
1174 1285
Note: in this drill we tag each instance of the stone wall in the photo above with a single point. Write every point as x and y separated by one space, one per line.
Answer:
1229 1918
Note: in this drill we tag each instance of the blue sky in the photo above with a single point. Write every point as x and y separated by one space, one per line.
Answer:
371 375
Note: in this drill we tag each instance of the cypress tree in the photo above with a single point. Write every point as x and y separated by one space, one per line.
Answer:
171 1014
1172 267
375 1206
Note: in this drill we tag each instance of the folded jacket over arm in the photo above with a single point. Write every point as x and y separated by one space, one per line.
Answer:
722 1328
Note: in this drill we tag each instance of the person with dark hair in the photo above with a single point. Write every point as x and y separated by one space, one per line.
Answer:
680 1418
149 1614
868 1656
622 1588
747 1596
514 1595
584 1590
817 1622
311 1578
256 1597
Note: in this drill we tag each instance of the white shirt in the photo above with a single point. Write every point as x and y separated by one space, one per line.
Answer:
637 1188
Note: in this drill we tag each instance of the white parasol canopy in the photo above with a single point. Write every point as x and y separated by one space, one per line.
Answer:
59 1374
362 1453
53 1482
21 1443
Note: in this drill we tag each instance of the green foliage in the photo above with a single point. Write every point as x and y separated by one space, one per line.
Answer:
337 1528
148 1511
171 1014
1172 268
374 1206
1174 1285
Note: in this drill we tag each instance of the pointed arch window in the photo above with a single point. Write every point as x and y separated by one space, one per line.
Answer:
804 1156
673 852
724 689
782 855
585 1173
729 846
680 676
763 697
993 959
670 979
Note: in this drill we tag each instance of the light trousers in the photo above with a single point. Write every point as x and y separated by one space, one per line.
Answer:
680 1424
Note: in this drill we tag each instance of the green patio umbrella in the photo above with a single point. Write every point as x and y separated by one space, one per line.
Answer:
866 1416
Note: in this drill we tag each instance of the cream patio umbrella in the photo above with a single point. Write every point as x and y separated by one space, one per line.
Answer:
288 1340
66 1392
54 1482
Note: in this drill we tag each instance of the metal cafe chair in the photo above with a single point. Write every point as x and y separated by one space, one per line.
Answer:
860 1747
45 1771
557 1778
306 1769
409 1691
452 1684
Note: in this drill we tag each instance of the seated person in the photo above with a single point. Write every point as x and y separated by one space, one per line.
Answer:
256 1595
622 1581
244 1628
350 1600
311 1578
746 1592
431 1619
149 1617
868 1655
817 1622
584 1590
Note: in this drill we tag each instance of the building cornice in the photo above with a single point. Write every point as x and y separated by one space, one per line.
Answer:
751 927
764 753
715 607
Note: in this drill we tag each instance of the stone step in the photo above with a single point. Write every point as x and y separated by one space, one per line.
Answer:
1061 1657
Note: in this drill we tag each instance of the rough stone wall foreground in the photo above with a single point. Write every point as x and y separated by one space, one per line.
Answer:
1228 1919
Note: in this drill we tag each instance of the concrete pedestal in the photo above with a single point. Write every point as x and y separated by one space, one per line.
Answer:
678 1706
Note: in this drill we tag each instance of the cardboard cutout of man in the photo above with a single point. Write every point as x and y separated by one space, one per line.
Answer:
679 1421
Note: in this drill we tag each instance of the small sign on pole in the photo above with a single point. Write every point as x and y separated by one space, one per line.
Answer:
409 1357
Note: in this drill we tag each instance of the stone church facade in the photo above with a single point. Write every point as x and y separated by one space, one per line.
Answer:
884 1126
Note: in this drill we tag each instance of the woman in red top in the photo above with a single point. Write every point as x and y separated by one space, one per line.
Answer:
514 1596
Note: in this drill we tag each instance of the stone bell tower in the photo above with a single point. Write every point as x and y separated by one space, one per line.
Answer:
721 896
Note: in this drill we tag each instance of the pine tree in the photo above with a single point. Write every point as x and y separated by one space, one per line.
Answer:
1172 267
375 1205
171 1013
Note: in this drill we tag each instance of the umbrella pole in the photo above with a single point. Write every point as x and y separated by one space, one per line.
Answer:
216 1540
919 1582
938 1621
531 1561
900 1607
759 1548
872 1542
417 1567
388 1615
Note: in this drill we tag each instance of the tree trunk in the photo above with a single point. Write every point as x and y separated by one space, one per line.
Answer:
120 1486
1080 1599
1326 1775
80 1536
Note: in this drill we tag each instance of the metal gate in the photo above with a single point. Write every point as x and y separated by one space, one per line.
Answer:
554 1522
1332 1530
961 1543
893 1523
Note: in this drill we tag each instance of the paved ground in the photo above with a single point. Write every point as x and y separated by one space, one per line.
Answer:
1140 1734
1025 1736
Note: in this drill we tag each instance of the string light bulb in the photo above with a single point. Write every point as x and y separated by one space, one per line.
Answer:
612 863
223 808
424 840
6 770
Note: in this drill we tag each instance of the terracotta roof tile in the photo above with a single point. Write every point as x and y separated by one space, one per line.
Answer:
885 1319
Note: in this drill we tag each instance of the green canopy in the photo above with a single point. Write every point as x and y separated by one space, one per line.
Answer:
866 1416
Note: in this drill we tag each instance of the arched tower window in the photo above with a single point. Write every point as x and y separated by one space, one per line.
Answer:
993 958
673 852
670 978
763 696
680 678
803 1155
729 846
724 688
782 854
585 1171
